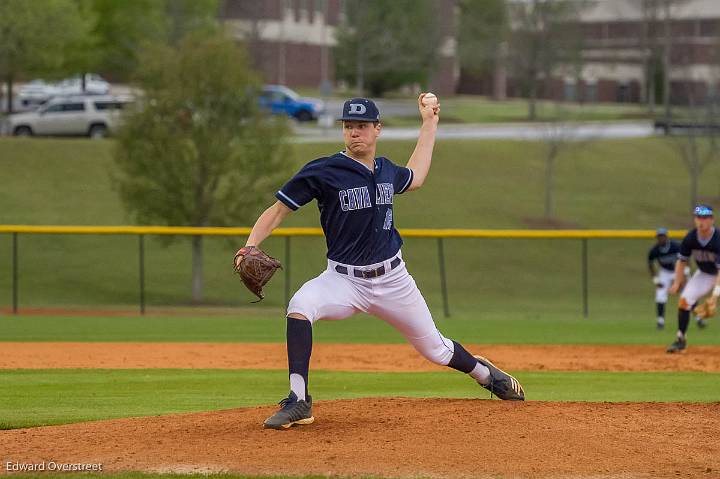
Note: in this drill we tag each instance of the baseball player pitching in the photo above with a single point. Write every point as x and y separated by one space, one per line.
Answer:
702 244
664 253
365 272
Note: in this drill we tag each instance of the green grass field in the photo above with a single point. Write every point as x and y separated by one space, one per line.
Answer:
270 328
501 291
473 184
42 397
473 109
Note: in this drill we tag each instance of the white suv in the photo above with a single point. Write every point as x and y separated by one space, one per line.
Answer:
92 115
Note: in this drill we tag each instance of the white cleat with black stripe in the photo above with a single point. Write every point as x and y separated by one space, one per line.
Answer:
501 383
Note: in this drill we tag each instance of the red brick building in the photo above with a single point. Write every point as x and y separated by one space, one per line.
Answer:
291 41
627 56
623 43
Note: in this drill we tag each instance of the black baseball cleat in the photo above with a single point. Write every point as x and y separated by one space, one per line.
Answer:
678 346
701 323
501 383
292 411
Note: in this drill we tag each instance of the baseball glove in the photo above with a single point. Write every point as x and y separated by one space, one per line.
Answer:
255 269
705 310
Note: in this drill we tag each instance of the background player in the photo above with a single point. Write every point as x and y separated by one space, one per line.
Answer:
365 269
703 244
664 252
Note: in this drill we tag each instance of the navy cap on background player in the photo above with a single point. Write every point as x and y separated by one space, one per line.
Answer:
703 211
360 109
661 232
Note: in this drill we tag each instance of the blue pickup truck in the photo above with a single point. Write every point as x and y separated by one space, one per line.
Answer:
281 100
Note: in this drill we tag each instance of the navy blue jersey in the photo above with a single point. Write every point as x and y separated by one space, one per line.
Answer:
355 205
666 256
707 256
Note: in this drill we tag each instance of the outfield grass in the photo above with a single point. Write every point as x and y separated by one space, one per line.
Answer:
482 329
473 184
58 396
473 109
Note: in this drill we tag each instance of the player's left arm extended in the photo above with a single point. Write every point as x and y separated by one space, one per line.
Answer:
267 222
421 157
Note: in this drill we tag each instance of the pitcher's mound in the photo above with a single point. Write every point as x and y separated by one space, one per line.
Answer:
400 437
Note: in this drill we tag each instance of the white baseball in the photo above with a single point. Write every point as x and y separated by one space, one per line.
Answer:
429 99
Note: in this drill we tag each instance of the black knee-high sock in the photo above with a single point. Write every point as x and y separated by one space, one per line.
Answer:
660 310
683 320
299 348
462 360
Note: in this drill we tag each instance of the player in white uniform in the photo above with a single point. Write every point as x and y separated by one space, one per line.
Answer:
703 244
365 269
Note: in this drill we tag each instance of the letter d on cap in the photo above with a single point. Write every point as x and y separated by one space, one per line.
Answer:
357 109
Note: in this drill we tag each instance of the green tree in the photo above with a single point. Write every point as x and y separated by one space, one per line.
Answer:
186 16
545 37
35 38
482 31
198 153
82 55
384 45
122 28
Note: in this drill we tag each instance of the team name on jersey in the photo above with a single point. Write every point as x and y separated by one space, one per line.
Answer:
358 198
703 255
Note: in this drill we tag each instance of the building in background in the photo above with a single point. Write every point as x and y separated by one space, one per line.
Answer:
290 41
632 51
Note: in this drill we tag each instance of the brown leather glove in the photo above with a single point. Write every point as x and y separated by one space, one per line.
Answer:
255 268
705 309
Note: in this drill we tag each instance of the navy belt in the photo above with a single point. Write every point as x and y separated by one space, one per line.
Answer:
369 273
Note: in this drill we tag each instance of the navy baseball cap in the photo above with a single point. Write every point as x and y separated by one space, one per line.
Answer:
703 210
661 232
360 109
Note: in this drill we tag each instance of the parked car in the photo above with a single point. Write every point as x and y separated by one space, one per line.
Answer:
281 100
94 85
38 92
83 115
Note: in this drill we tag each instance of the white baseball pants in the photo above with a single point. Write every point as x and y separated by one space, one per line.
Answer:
699 285
666 279
393 297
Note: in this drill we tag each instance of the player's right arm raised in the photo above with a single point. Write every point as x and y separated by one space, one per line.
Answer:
421 157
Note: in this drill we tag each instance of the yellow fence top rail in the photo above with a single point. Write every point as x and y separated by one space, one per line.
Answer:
409 233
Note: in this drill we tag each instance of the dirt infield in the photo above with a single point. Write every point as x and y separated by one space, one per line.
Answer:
400 438
395 437
349 357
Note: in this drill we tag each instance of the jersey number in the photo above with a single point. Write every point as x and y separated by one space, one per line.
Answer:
388 220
